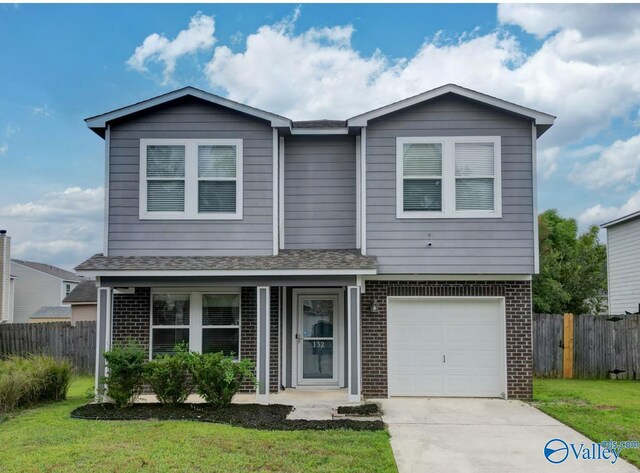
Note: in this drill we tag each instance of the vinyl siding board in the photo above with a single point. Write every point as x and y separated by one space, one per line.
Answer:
320 192
623 252
192 118
33 289
459 246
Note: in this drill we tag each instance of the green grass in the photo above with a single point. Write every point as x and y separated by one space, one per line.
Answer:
46 439
599 409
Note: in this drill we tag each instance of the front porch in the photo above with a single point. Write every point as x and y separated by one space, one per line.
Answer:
303 335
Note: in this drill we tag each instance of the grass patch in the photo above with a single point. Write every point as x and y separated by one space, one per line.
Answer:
47 439
600 409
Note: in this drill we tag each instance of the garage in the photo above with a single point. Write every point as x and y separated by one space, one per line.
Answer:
446 346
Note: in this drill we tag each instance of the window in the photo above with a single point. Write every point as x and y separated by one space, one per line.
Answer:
221 323
67 289
209 322
170 322
448 177
191 179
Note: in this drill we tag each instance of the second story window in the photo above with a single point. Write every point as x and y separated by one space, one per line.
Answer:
448 177
190 179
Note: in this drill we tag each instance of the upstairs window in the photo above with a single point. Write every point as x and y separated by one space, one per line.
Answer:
448 177
191 179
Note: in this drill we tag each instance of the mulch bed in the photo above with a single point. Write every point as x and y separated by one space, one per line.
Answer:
365 410
252 416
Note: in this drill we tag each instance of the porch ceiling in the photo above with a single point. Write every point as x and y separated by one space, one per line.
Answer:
287 261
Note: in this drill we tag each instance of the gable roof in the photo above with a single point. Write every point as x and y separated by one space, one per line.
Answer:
52 312
543 121
49 269
625 218
98 123
84 292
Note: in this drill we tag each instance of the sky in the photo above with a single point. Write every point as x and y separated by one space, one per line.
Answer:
60 64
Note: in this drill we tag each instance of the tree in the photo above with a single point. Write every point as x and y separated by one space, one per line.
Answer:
573 273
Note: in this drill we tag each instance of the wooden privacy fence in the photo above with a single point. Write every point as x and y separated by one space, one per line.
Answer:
586 346
58 339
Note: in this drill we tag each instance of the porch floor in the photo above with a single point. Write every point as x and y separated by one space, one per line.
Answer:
309 404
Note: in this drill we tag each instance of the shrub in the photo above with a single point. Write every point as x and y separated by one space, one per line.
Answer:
169 376
218 377
126 373
27 380
54 377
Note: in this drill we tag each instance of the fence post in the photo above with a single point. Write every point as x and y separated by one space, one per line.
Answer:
567 352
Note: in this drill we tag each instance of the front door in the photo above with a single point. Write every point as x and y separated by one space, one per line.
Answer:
318 317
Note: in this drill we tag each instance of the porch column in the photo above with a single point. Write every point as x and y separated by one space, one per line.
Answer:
262 365
103 337
353 334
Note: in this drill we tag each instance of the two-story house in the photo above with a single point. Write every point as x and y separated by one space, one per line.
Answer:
389 254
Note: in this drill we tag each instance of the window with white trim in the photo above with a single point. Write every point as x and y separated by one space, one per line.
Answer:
448 177
190 179
208 322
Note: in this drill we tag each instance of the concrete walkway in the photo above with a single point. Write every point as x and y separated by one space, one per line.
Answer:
481 435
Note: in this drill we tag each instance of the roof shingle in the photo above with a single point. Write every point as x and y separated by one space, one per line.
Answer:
286 260
86 291
49 269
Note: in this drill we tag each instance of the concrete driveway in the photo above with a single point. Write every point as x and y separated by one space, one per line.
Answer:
435 435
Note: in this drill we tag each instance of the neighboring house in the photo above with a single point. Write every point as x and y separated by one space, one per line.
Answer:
390 254
51 314
28 286
623 263
83 301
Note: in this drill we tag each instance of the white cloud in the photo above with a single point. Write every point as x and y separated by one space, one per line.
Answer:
599 214
548 161
42 110
586 71
158 48
4 149
582 76
617 165
541 20
61 228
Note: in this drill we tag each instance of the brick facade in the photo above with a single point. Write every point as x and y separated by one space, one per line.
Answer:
131 321
518 328
132 317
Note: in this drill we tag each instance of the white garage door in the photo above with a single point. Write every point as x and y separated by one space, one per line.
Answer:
446 347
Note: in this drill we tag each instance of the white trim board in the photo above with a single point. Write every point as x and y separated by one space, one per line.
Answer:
447 277
448 178
191 180
540 118
207 272
99 122
276 193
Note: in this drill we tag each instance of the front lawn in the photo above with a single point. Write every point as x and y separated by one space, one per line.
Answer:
600 409
46 439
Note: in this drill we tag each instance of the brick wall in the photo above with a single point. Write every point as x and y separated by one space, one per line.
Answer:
131 321
518 327
131 317
249 333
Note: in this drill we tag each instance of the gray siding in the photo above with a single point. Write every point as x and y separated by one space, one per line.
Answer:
130 236
320 192
498 246
33 290
623 254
